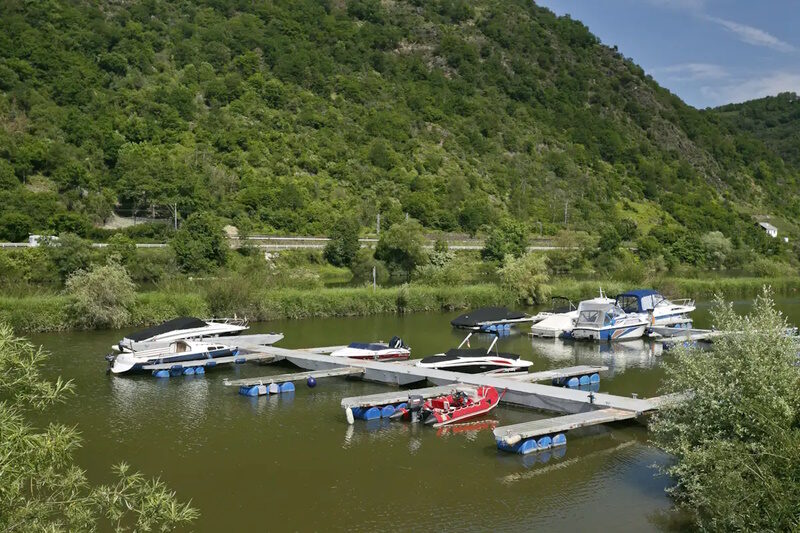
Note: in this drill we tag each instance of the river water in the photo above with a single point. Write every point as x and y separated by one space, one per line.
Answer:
291 462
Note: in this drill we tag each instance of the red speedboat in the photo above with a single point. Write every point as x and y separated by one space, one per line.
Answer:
449 408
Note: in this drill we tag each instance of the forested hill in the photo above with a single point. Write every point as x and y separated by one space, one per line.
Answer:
774 119
285 115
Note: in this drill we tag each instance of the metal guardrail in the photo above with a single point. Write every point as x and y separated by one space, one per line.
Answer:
309 243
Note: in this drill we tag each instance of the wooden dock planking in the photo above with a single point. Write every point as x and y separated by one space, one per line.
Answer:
217 360
295 376
547 426
386 398
556 373
535 395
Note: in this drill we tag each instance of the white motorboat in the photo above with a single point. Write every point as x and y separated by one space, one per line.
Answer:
175 352
475 360
395 350
658 310
188 328
556 322
601 319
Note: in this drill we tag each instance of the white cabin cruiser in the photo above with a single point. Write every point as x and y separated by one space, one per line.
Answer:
187 328
395 350
601 319
174 352
658 310
475 360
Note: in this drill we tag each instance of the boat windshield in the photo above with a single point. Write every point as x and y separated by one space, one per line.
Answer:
590 317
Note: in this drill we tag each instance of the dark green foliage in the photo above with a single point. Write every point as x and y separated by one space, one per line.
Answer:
69 253
343 246
401 248
15 227
200 244
121 249
510 238
284 114
7 178
774 119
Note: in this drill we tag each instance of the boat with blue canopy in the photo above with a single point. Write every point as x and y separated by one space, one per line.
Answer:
656 308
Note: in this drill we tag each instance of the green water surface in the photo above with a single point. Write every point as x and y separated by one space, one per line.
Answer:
291 462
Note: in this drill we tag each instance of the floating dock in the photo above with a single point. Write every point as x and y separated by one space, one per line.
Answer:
510 437
295 376
207 362
670 335
579 408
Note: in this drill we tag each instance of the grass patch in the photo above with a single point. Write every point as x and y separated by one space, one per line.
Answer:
50 312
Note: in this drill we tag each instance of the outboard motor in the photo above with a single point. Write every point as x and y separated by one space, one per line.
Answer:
396 342
415 403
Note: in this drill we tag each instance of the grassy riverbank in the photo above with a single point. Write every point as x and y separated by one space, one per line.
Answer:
51 312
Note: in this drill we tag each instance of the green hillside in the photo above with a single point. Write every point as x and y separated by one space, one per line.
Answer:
284 115
774 119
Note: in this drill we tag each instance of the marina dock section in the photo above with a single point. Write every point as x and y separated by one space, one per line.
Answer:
579 408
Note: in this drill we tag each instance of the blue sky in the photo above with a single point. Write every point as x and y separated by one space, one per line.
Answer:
708 52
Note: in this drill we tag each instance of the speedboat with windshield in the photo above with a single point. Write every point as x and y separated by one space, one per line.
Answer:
395 350
601 319
658 310
475 360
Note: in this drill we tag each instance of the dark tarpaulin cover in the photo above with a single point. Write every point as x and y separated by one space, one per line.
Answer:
480 316
184 322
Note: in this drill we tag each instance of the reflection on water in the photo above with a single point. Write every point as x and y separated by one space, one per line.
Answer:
617 356
134 398
292 461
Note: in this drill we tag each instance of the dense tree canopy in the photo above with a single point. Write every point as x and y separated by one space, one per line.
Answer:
286 115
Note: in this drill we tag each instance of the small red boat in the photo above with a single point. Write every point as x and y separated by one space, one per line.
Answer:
450 408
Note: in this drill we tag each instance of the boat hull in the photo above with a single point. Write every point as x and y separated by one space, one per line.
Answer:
609 334
477 367
385 356
127 364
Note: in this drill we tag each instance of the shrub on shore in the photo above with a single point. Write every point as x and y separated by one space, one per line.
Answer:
734 431
100 297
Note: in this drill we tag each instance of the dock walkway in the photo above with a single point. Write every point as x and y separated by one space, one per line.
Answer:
535 395
513 434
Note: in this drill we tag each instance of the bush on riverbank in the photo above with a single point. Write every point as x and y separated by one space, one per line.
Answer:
100 297
734 433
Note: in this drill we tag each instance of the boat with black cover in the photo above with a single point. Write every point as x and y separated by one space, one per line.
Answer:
490 319
191 328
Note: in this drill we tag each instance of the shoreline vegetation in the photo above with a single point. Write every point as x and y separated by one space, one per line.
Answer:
66 284
54 312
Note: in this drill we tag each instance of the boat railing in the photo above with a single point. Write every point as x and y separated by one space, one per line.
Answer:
233 321
687 302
